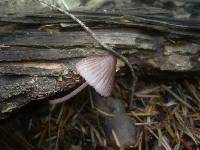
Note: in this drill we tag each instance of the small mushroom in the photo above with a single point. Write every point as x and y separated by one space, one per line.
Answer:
98 71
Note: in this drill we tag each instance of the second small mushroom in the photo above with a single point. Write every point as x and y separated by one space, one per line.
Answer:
98 71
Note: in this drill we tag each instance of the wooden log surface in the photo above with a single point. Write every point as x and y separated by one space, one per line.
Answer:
38 52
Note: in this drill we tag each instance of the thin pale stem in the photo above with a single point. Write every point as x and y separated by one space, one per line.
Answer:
103 45
70 95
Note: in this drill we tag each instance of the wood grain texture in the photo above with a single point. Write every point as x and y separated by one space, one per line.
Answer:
38 52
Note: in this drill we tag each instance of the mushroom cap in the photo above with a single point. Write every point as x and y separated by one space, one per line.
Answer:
99 72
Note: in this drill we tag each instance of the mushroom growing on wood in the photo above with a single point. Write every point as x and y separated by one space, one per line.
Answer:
98 71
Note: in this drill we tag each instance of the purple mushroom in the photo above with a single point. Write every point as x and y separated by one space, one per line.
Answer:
98 71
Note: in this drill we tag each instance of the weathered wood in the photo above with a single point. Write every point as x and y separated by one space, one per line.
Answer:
21 53
35 49
175 26
69 39
35 63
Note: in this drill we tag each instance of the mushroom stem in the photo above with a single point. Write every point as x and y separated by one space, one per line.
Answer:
70 95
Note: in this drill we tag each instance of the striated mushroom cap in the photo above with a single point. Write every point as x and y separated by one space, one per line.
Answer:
99 72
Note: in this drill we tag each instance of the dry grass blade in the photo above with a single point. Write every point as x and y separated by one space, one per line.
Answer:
147 92
185 129
177 97
42 135
171 132
143 114
105 113
116 139
163 141
100 138
192 90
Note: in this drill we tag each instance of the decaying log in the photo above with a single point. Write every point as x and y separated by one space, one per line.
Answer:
38 52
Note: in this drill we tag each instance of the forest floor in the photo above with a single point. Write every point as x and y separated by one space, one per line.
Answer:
166 116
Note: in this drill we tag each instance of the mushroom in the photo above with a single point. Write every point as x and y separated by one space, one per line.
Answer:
98 71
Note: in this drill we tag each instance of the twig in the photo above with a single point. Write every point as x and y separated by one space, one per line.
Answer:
116 139
103 45
163 142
